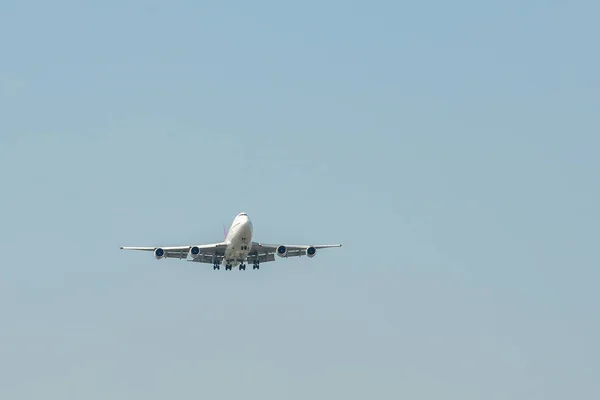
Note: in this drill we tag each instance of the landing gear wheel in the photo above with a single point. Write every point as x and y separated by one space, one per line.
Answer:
215 267
242 267
228 268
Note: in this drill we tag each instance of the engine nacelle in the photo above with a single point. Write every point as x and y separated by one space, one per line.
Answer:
194 251
311 251
282 251
159 253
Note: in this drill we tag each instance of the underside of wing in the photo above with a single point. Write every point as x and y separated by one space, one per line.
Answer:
283 250
182 252
215 253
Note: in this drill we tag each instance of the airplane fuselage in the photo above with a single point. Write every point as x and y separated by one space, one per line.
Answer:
239 240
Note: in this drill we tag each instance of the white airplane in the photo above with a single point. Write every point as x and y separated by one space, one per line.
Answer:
235 250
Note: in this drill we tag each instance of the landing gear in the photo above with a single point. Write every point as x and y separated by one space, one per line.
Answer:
256 265
216 266
242 267
228 267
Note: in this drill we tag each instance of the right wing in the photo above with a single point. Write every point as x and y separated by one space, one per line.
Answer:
208 252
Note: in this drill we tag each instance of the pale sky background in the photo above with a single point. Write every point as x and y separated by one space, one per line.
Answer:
452 147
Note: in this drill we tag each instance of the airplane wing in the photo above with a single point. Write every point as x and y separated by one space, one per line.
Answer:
211 253
207 252
266 252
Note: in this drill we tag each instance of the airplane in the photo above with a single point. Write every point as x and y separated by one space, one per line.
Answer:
235 250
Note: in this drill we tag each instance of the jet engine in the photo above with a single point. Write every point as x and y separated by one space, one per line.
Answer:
159 253
282 251
311 251
194 251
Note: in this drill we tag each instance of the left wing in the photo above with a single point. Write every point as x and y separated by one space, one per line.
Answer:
266 252
209 252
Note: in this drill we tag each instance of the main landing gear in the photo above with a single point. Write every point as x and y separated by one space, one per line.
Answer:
242 266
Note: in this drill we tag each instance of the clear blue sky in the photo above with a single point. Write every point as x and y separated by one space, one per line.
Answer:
452 147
